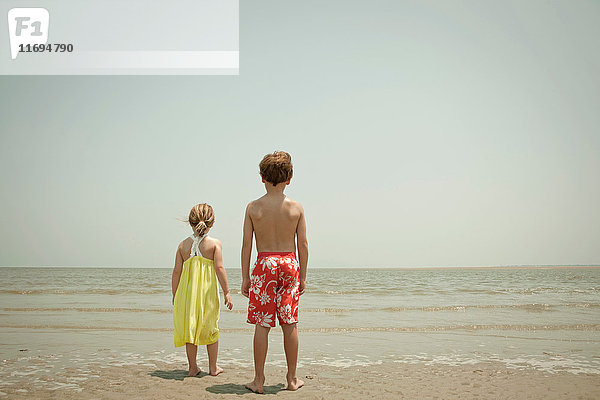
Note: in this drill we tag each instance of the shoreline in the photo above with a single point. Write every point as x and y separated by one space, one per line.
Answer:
388 380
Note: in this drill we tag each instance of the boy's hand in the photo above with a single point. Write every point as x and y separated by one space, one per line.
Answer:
228 301
301 288
246 287
173 300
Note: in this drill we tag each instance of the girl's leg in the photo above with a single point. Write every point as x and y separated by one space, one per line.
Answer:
191 350
213 351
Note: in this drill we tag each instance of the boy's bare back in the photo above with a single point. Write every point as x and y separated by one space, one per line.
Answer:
275 220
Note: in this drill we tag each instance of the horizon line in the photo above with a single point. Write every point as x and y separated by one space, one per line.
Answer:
347 267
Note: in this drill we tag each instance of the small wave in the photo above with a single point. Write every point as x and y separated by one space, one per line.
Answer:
89 309
528 307
534 307
118 291
88 327
474 327
441 328
549 365
457 290
99 309
84 291
355 291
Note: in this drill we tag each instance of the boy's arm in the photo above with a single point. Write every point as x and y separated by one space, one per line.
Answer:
222 274
176 271
246 252
302 244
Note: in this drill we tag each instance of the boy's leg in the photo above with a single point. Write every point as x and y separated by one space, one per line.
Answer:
191 350
213 350
290 345
261 344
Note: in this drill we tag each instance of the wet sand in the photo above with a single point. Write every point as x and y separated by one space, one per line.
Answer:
386 380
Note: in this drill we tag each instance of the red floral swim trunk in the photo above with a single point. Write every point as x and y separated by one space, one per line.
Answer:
274 287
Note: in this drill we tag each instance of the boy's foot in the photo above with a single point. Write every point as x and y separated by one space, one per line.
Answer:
194 371
255 387
216 371
295 384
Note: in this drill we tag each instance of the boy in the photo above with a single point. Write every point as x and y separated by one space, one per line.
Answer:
277 279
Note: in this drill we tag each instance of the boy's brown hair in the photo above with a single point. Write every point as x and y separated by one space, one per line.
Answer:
276 167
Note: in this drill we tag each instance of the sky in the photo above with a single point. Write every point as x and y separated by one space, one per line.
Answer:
423 133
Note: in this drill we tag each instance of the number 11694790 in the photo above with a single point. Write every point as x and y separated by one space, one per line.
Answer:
46 48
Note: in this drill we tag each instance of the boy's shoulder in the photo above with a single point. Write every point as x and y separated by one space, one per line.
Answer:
293 203
254 204
258 203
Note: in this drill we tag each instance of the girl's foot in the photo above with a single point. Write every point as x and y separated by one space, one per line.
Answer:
194 371
216 371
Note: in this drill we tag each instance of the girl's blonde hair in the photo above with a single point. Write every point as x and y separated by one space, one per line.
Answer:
201 218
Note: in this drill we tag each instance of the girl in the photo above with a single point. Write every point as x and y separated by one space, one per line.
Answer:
195 292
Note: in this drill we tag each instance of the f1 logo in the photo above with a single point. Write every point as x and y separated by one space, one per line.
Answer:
27 26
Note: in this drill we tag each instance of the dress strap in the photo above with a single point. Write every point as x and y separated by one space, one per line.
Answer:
197 239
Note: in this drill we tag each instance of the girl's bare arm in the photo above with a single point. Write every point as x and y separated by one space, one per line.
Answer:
176 271
222 274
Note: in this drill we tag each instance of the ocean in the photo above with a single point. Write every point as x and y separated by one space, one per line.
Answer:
59 325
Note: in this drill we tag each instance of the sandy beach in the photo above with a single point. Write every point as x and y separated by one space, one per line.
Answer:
388 380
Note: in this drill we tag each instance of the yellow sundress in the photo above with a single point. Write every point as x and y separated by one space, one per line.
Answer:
196 307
